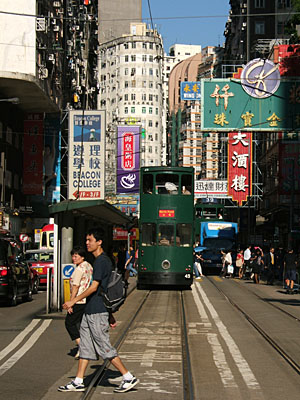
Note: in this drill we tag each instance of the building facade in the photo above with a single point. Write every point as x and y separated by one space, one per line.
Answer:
130 70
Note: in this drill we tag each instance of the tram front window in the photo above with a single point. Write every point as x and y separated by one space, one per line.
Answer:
148 234
148 184
165 235
183 235
167 184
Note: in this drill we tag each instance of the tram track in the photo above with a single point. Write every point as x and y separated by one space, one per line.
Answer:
187 380
284 354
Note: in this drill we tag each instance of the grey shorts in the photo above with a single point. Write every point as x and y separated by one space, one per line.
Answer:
94 338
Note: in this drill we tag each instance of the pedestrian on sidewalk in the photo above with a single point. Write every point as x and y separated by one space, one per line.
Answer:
257 265
79 282
239 263
130 258
290 269
270 266
94 329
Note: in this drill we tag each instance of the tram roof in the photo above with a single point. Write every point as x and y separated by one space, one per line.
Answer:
99 209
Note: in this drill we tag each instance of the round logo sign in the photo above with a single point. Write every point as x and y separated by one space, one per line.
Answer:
23 237
260 78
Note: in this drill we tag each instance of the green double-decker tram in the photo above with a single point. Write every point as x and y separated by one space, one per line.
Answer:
166 227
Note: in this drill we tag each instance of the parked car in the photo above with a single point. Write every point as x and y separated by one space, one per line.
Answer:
15 274
40 260
35 278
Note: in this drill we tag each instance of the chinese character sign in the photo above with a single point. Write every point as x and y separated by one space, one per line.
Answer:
226 106
190 91
86 155
210 189
128 159
240 166
33 148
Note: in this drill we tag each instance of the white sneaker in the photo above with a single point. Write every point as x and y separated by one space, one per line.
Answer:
126 385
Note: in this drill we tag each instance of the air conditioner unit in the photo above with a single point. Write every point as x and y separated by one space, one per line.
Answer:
43 72
53 21
55 28
40 24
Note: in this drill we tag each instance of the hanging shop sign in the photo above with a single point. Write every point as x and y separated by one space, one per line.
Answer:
210 189
86 155
240 166
190 91
128 159
238 104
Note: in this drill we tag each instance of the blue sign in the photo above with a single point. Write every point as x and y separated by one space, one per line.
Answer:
190 91
68 270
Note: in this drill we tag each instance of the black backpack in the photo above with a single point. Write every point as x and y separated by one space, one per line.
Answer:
116 292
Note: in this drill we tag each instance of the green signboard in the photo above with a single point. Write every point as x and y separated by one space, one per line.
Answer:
226 106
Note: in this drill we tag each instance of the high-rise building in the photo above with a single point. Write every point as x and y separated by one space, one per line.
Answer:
130 70
116 16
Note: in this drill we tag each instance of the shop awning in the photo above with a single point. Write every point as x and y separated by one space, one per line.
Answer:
96 209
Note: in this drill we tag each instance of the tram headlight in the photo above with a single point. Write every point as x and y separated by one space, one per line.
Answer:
166 264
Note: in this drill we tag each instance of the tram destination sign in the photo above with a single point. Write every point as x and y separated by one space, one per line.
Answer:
166 213
226 106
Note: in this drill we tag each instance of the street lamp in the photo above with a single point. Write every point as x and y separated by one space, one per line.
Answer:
13 100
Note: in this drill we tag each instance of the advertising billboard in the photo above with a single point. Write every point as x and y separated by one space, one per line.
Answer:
239 166
86 163
128 159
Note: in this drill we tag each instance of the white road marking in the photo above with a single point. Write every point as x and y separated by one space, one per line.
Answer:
225 372
30 342
240 361
18 339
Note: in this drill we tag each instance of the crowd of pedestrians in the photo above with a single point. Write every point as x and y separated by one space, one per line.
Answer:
270 265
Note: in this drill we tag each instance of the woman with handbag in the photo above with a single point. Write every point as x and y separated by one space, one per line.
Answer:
240 263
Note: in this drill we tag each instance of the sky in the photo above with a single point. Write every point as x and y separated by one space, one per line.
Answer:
207 30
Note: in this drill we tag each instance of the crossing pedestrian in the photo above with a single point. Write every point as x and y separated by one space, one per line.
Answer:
94 329
79 282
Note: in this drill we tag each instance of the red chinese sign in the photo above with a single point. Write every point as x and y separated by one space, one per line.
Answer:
240 166
85 194
166 213
33 148
128 151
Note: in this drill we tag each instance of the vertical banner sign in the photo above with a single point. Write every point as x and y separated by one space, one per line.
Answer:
33 149
52 158
86 155
240 166
128 159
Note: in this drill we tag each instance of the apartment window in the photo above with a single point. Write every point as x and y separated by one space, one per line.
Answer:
156 124
151 46
156 136
143 110
156 98
126 110
144 71
133 83
259 27
126 46
133 57
150 110
259 4
132 96
144 97
150 84
126 58
156 152
133 45
144 84
133 71
150 71
126 97
144 58
156 111
126 72
126 84
150 149
144 45
150 123
150 97
151 58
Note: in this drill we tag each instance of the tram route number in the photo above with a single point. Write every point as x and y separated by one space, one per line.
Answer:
187 276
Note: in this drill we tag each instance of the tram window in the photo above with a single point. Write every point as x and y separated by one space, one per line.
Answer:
183 235
167 184
148 184
165 235
186 184
148 234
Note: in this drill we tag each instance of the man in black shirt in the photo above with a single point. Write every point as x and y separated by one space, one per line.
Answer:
290 264
94 329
